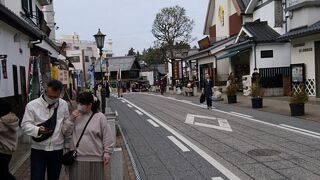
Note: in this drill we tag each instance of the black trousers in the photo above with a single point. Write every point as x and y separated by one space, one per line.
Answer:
42 161
4 167
209 101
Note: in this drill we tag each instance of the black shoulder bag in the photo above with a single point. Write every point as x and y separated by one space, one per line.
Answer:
69 157
49 124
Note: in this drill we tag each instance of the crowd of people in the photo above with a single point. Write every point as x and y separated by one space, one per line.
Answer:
55 132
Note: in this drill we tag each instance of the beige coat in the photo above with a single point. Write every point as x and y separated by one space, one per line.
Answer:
8 133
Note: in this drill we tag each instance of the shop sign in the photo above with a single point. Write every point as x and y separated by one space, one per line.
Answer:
305 50
4 67
297 73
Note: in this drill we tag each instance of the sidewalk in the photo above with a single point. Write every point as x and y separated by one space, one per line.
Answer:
277 105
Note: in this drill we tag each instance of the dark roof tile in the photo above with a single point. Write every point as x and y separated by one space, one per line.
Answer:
261 31
298 32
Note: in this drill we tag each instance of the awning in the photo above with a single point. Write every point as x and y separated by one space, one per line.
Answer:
234 50
233 53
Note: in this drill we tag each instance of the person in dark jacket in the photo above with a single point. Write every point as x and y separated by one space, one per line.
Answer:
207 90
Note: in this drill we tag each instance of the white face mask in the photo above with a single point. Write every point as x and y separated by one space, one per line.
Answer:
49 100
81 108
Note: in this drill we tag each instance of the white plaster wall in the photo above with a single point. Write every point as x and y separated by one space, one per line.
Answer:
14 6
308 58
78 66
266 13
281 56
47 46
149 76
222 29
49 17
11 49
223 68
207 60
304 17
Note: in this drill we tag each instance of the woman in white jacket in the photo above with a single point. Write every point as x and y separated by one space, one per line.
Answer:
97 142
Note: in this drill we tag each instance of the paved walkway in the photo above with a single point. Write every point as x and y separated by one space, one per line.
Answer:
277 105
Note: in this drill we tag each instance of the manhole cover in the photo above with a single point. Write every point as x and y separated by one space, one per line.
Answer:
263 152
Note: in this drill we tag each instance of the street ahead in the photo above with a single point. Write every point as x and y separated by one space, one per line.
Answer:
178 139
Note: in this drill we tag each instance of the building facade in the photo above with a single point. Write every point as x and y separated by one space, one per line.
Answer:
26 50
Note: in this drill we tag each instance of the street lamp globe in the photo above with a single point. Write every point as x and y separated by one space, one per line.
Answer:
99 37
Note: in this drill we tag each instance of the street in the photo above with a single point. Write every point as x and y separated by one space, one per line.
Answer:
172 138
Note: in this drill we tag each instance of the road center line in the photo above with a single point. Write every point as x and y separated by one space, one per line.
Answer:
153 123
179 144
201 152
138 112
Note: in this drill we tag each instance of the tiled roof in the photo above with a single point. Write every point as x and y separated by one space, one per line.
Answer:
124 63
261 31
313 29
243 4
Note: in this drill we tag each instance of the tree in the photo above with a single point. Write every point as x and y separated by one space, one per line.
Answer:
172 26
131 52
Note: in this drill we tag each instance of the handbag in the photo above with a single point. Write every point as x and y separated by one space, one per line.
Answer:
202 98
68 158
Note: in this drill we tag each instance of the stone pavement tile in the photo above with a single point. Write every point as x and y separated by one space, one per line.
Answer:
267 158
245 148
155 170
299 173
188 175
177 164
150 161
283 164
312 154
234 142
295 146
237 158
164 176
261 172
219 148
310 166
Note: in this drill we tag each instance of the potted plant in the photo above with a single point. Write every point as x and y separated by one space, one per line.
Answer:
232 89
298 98
257 93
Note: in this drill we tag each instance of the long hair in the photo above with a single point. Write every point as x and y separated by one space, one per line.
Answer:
87 98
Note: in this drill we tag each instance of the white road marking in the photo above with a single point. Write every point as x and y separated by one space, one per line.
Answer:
299 129
179 144
123 101
223 123
240 114
252 119
217 178
129 105
153 123
138 112
201 152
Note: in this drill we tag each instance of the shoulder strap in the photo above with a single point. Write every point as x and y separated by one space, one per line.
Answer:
85 127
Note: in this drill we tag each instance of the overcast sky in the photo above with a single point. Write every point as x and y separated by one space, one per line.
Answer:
127 22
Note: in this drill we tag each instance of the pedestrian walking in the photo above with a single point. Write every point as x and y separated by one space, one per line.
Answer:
8 138
207 90
96 144
42 120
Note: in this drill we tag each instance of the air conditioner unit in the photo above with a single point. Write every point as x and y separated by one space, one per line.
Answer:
44 2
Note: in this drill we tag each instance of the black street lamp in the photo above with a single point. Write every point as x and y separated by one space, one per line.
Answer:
99 37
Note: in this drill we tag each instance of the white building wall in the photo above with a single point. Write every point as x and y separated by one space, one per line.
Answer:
223 68
304 17
222 29
266 13
11 49
281 56
49 17
207 60
308 58
14 6
149 76
77 65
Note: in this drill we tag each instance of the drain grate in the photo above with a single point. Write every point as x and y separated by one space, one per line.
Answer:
263 152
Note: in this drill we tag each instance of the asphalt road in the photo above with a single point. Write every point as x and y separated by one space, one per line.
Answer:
178 139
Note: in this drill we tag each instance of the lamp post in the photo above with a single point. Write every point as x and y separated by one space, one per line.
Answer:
99 37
